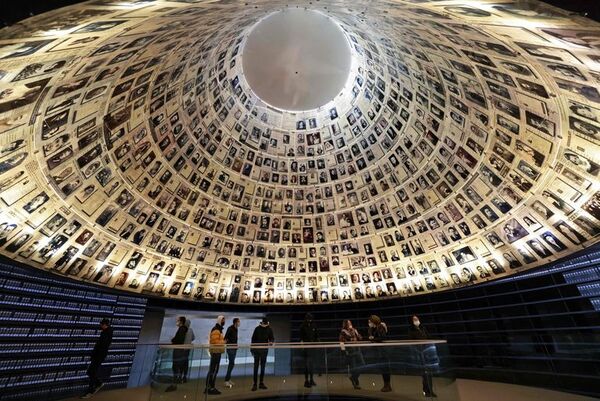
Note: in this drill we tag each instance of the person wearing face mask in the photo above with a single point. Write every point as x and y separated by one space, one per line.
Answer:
179 355
309 334
231 338
354 357
378 332
419 332
216 348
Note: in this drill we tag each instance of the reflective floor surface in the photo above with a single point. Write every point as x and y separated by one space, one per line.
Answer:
468 390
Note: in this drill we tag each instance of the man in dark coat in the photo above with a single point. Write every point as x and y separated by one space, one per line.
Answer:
180 355
309 334
262 337
231 340
98 356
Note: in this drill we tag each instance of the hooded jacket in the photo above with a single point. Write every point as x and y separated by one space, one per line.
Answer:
215 339
189 335
231 335
263 334
179 337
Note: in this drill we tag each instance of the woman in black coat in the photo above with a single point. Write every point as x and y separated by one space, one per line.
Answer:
378 332
417 331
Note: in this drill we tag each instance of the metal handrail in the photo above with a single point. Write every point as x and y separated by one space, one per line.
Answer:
302 345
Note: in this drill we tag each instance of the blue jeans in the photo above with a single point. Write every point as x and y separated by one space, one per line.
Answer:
231 355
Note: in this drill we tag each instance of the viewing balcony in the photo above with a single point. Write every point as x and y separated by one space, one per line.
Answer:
416 369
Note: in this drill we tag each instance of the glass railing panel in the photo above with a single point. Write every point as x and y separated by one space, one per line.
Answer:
383 371
179 373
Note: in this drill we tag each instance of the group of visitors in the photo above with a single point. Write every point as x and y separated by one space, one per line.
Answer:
378 332
262 339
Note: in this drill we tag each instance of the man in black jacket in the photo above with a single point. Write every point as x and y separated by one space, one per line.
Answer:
231 340
309 334
180 355
262 336
98 356
417 331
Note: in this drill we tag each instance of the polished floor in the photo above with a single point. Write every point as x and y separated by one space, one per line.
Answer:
405 389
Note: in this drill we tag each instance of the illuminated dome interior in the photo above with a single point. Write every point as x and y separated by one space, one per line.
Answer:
195 150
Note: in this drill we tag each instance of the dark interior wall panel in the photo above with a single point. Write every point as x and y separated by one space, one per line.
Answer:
48 327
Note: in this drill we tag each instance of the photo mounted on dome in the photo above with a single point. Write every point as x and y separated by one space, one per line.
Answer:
467 11
464 255
37 202
592 206
513 231
581 163
38 69
99 26
21 94
579 38
528 10
12 50
585 129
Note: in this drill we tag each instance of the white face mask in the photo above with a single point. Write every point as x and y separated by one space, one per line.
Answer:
416 323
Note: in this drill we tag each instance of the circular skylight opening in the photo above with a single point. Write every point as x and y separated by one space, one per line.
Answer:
296 59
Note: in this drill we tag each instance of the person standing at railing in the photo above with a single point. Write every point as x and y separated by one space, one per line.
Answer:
231 339
378 332
179 355
262 336
309 334
354 357
417 331
190 336
98 356
216 348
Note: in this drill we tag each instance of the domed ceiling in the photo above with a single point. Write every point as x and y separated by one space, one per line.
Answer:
264 152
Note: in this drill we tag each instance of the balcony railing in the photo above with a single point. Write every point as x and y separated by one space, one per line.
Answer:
394 370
